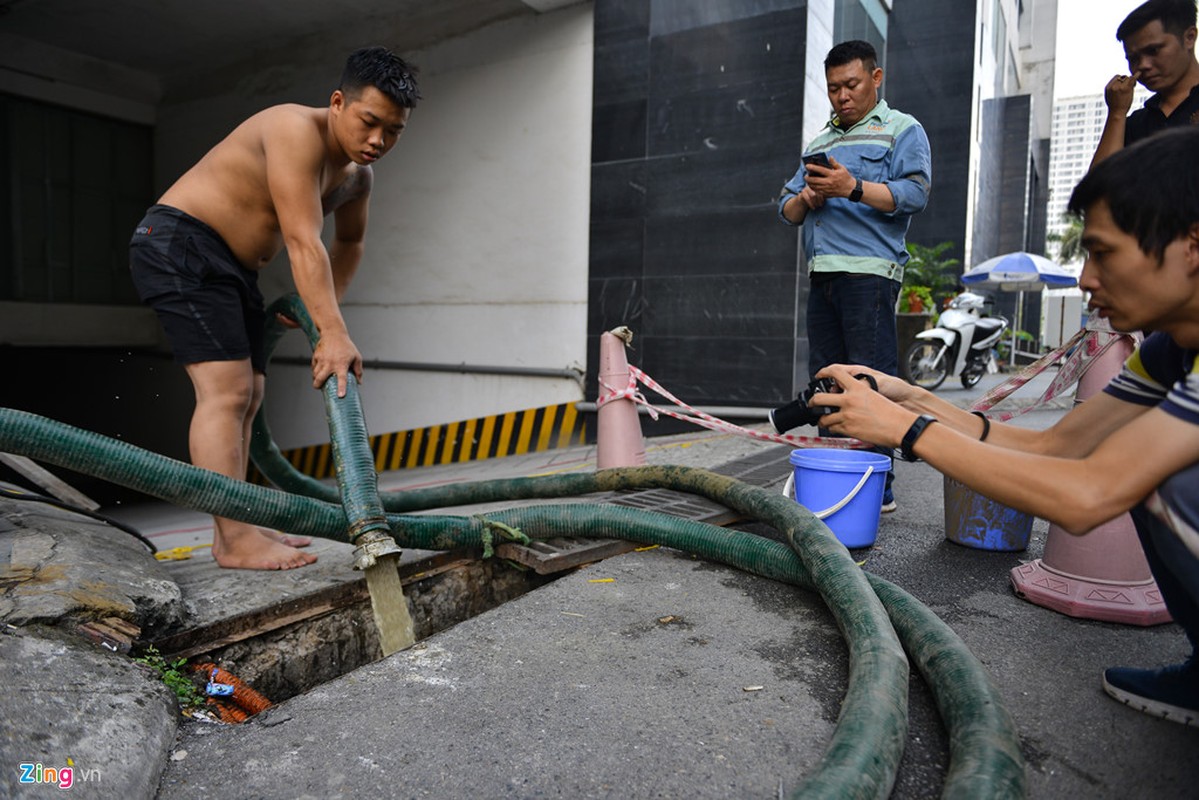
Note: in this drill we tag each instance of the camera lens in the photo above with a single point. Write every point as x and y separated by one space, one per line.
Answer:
792 415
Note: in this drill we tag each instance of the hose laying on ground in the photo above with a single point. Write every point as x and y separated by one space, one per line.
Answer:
985 761
984 746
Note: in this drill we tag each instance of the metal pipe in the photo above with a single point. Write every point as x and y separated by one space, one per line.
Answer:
575 375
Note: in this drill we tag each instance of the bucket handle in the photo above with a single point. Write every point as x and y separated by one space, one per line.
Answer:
789 491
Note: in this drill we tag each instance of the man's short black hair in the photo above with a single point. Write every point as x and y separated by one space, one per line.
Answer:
387 72
1150 188
852 50
1176 17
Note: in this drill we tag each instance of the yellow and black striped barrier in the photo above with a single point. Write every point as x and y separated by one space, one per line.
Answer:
496 436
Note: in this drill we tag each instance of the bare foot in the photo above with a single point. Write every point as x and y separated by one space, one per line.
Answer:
291 540
236 545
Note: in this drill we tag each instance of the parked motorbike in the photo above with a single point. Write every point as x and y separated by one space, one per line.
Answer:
961 344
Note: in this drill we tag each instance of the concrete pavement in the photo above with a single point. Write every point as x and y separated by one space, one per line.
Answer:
635 676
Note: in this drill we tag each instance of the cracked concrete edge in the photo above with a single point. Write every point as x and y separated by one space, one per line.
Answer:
110 720
57 565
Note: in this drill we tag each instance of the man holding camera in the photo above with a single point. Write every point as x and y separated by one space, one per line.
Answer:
862 179
1133 447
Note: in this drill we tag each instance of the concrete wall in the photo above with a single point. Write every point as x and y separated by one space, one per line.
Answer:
477 243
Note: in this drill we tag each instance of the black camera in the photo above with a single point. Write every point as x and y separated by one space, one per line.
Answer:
798 412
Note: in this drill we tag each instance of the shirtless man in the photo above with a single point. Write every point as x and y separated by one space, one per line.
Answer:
195 259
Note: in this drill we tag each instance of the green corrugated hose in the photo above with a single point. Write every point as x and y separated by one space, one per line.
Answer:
357 481
863 757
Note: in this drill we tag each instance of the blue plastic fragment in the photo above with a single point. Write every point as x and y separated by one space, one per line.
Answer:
215 689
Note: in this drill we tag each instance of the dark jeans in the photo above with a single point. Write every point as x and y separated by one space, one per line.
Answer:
1175 569
851 320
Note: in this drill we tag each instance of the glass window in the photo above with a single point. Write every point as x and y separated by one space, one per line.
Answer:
862 19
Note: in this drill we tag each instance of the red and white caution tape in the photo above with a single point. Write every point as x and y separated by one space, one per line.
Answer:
1092 342
705 420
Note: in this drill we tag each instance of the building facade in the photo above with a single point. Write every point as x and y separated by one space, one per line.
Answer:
1077 126
979 76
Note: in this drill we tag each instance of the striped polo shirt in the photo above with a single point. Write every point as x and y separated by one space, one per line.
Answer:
1165 375
886 146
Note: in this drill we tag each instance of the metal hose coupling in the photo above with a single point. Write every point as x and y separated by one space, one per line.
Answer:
372 546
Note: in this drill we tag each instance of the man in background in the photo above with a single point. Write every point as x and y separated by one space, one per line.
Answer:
1159 43
855 210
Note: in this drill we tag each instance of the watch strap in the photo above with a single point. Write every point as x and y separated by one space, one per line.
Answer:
856 195
909 439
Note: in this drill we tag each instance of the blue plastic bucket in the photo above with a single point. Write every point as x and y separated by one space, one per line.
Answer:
824 477
975 520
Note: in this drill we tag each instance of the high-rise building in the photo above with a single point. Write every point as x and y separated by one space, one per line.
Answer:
1077 126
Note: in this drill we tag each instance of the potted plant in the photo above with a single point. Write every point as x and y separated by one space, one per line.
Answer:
916 300
928 268
929 278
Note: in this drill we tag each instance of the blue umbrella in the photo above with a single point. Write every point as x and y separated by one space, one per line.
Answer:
1018 272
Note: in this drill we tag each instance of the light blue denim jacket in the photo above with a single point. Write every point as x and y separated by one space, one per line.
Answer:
888 147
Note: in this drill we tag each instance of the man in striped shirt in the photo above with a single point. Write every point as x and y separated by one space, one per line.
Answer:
1133 447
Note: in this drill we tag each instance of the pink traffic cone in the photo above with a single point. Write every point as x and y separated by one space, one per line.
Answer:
619 442
1102 574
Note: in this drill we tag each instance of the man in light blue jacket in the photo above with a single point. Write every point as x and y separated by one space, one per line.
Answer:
862 179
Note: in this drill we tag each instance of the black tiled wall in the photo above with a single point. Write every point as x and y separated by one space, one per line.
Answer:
1000 222
696 126
930 75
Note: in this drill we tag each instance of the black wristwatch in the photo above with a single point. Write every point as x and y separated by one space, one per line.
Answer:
856 195
914 433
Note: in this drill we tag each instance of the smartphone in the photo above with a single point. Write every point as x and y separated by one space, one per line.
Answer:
820 159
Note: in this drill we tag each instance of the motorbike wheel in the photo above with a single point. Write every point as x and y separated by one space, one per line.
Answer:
924 365
971 379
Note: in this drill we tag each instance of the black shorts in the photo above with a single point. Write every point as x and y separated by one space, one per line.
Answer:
209 304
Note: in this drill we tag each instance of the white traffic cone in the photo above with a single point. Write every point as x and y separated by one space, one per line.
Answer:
619 442
1102 574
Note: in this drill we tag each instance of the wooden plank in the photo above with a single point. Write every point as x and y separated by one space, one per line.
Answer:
547 556
111 633
255 623
238 628
48 481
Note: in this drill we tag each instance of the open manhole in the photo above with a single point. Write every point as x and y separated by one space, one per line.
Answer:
296 645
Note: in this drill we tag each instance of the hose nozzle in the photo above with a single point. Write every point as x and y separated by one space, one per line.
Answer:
372 546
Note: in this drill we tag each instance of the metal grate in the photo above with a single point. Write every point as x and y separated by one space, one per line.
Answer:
764 469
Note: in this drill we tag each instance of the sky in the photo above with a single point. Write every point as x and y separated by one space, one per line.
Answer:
1088 54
